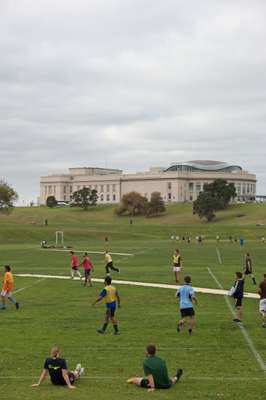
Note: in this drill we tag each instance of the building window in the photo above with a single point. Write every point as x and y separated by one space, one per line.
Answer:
108 188
107 197
101 197
198 187
64 197
64 189
169 196
114 188
70 189
49 189
169 185
102 188
45 190
190 198
191 186
114 197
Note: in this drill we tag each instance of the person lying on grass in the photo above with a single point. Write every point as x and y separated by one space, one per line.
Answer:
156 374
56 367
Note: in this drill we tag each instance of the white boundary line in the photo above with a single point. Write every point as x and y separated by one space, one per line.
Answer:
219 255
142 284
242 328
88 251
27 287
100 377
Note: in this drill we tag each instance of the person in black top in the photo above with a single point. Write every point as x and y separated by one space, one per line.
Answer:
238 295
248 268
57 369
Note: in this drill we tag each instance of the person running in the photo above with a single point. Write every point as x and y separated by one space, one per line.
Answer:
177 265
56 367
248 268
74 265
109 263
88 268
111 298
156 373
238 294
262 293
8 286
186 295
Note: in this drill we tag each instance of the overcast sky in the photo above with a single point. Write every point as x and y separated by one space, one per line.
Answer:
130 84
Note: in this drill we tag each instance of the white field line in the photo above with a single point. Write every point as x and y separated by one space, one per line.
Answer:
27 287
142 284
89 251
100 377
248 339
219 255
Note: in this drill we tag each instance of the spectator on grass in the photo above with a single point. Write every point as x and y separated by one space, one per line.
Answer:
156 374
56 367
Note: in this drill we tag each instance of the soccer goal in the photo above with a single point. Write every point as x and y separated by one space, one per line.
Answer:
59 239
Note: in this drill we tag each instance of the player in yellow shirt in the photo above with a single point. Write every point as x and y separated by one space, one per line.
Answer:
177 265
109 262
109 295
8 286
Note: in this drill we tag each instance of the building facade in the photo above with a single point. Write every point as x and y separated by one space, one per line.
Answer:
181 182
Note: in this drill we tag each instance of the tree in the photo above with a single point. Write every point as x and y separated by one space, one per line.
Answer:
84 198
7 197
156 204
132 204
51 201
215 196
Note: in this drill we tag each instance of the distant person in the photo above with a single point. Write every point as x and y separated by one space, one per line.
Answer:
131 221
156 373
74 265
88 268
109 263
238 295
7 288
241 242
262 293
186 295
248 269
109 295
230 239
188 239
217 238
56 367
236 240
177 265
263 239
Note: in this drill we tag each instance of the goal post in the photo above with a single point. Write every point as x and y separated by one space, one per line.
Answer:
59 238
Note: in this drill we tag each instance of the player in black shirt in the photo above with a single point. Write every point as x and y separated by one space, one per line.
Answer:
248 268
57 369
238 295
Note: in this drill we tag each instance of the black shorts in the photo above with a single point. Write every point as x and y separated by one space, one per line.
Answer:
248 272
71 377
87 272
145 383
75 268
238 302
110 312
187 312
62 381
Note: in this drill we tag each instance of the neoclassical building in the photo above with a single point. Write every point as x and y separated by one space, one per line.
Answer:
181 182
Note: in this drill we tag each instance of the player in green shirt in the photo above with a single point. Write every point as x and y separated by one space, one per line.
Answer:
156 374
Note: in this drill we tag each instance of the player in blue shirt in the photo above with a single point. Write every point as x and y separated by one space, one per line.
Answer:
186 297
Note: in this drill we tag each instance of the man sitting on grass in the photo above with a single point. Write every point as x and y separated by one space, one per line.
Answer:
56 367
156 374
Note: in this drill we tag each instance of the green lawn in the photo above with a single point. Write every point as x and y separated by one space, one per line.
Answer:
216 360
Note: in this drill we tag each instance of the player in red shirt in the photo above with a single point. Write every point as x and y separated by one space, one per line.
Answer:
88 267
74 265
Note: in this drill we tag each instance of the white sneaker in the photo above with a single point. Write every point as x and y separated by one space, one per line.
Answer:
81 371
78 368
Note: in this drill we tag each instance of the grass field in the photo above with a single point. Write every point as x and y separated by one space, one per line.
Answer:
217 361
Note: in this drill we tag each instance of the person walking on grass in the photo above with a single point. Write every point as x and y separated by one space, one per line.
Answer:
238 294
186 295
248 270
88 268
177 265
56 367
74 265
109 263
8 286
109 295
156 373
262 293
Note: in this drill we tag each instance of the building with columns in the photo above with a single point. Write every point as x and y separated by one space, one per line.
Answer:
181 182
